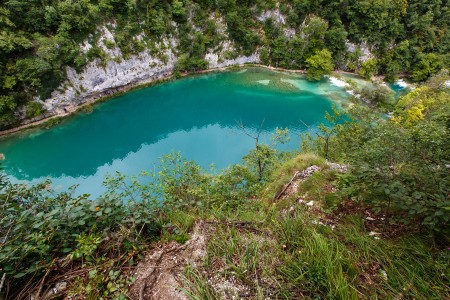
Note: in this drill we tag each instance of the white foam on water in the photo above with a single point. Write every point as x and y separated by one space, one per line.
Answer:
304 85
337 82
264 82
402 83
352 92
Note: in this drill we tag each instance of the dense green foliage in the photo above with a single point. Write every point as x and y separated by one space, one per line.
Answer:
319 64
399 165
42 230
403 36
397 173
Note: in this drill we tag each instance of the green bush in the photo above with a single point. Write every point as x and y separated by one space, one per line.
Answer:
186 63
377 95
34 109
39 228
368 69
399 166
428 65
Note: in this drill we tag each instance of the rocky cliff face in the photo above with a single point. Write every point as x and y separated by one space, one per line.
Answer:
99 79
105 77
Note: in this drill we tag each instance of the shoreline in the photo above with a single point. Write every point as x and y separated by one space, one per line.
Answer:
105 95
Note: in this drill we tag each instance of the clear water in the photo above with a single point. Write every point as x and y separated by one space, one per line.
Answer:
399 90
197 116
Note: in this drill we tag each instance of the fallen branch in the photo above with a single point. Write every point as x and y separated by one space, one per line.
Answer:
38 293
3 281
278 195
142 290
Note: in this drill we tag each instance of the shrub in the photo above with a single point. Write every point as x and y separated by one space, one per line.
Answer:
368 68
34 109
399 169
39 229
378 95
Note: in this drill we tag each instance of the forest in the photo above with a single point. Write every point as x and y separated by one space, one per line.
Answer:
39 39
360 210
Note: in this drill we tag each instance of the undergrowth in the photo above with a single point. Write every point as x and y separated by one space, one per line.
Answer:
288 250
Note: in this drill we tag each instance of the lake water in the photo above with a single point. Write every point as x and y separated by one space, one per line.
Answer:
197 116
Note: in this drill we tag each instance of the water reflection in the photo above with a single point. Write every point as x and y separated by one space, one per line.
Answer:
196 116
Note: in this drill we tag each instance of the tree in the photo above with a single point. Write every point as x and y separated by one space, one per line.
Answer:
318 140
399 165
279 52
31 70
319 64
368 68
428 65
335 38
264 155
314 34
377 95
178 11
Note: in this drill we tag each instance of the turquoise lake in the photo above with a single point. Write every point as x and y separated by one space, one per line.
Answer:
197 116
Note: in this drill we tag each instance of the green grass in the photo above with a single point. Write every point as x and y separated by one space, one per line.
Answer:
312 261
410 267
178 224
284 173
287 253
198 287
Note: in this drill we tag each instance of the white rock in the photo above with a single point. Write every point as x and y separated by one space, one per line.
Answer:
58 288
365 51
215 61
94 78
98 80
310 203
275 14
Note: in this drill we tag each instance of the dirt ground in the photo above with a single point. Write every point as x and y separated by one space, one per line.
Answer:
159 275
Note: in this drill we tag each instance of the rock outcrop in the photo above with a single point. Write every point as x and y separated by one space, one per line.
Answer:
99 79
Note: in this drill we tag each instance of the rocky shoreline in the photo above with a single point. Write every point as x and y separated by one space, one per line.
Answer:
61 108
64 109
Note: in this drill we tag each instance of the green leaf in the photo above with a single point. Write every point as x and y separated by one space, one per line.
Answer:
37 225
92 273
20 275
113 289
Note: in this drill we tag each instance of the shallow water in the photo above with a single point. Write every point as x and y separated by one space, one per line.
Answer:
197 116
